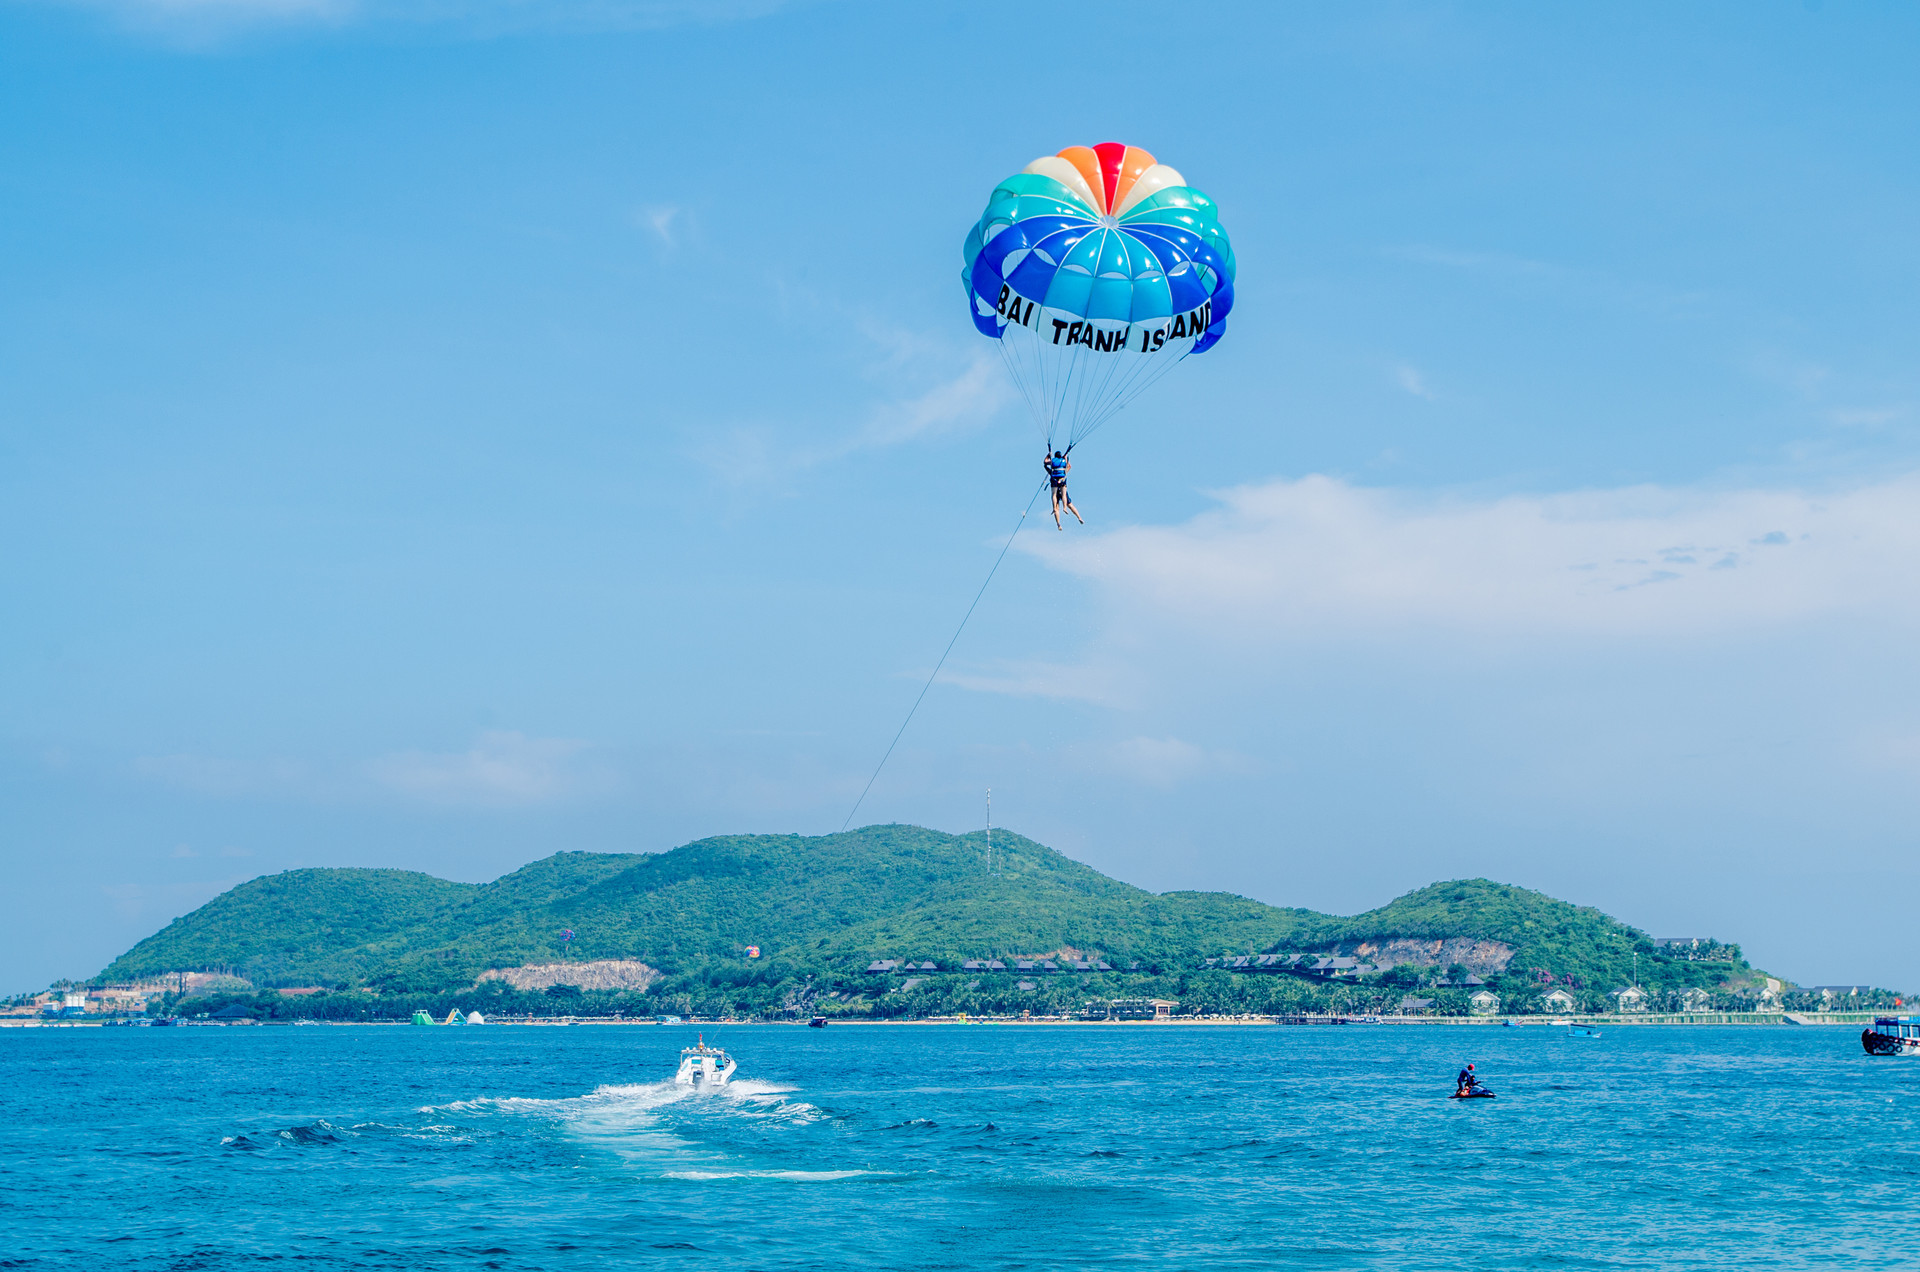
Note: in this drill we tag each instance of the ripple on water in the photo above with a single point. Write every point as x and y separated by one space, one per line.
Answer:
989 1148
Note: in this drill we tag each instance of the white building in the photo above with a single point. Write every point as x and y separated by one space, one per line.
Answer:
1632 998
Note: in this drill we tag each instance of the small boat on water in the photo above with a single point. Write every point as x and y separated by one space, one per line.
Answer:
1892 1036
1582 1031
818 1022
1477 1093
704 1068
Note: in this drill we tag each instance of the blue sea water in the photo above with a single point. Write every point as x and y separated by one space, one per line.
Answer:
934 1147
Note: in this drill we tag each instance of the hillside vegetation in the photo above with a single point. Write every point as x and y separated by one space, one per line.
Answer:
820 909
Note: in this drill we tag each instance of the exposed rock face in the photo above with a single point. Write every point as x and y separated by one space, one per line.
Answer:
606 973
191 982
1477 956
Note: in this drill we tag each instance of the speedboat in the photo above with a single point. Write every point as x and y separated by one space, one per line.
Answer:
704 1068
1582 1031
818 1022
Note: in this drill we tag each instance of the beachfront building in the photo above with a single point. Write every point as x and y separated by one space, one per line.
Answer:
1484 1003
1696 999
1832 994
1631 998
1556 1000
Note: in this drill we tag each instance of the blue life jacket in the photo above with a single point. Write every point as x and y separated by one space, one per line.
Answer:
1057 471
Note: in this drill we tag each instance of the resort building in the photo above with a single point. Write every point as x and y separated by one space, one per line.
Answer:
1833 993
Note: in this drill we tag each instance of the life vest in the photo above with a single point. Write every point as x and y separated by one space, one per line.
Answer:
1057 471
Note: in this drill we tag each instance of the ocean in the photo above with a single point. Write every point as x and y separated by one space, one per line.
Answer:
984 1146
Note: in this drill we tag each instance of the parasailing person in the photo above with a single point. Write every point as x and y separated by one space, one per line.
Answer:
1058 466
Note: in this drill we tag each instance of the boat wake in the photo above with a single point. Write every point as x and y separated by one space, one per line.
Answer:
744 1097
674 1131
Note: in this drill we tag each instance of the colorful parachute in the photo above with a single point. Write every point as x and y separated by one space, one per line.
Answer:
1096 269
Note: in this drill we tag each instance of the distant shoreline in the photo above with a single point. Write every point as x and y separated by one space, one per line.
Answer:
1745 1019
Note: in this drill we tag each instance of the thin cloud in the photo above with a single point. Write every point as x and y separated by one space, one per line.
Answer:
1057 682
965 400
1322 556
662 220
1158 762
500 769
966 391
1410 379
231 779
203 22
1529 274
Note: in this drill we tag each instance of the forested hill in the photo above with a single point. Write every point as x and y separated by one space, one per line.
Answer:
832 903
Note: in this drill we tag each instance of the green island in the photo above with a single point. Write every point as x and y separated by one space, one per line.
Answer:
902 922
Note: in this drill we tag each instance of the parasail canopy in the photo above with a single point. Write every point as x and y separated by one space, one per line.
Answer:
1096 270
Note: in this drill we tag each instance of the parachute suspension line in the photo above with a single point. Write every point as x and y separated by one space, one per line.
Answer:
1070 395
1021 382
1136 382
943 656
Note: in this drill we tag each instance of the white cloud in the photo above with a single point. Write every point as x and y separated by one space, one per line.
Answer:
211 775
1866 417
1321 556
966 399
500 769
964 390
1158 762
661 218
1410 379
1061 682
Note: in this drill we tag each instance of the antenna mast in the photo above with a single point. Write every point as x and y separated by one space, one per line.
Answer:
989 830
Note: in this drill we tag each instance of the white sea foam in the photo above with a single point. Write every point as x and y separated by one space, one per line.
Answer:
661 1126
632 1096
799 1176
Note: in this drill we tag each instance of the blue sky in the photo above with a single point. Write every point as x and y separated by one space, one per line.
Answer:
437 434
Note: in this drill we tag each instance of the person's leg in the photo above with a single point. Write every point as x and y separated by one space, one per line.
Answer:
1056 509
1070 508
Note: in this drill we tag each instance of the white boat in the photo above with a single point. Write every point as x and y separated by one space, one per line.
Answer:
1892 1036
704 1068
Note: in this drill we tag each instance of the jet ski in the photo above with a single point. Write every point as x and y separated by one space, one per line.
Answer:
1477 1093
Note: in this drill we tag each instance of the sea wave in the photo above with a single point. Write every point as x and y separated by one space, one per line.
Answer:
797 1176
320 1133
